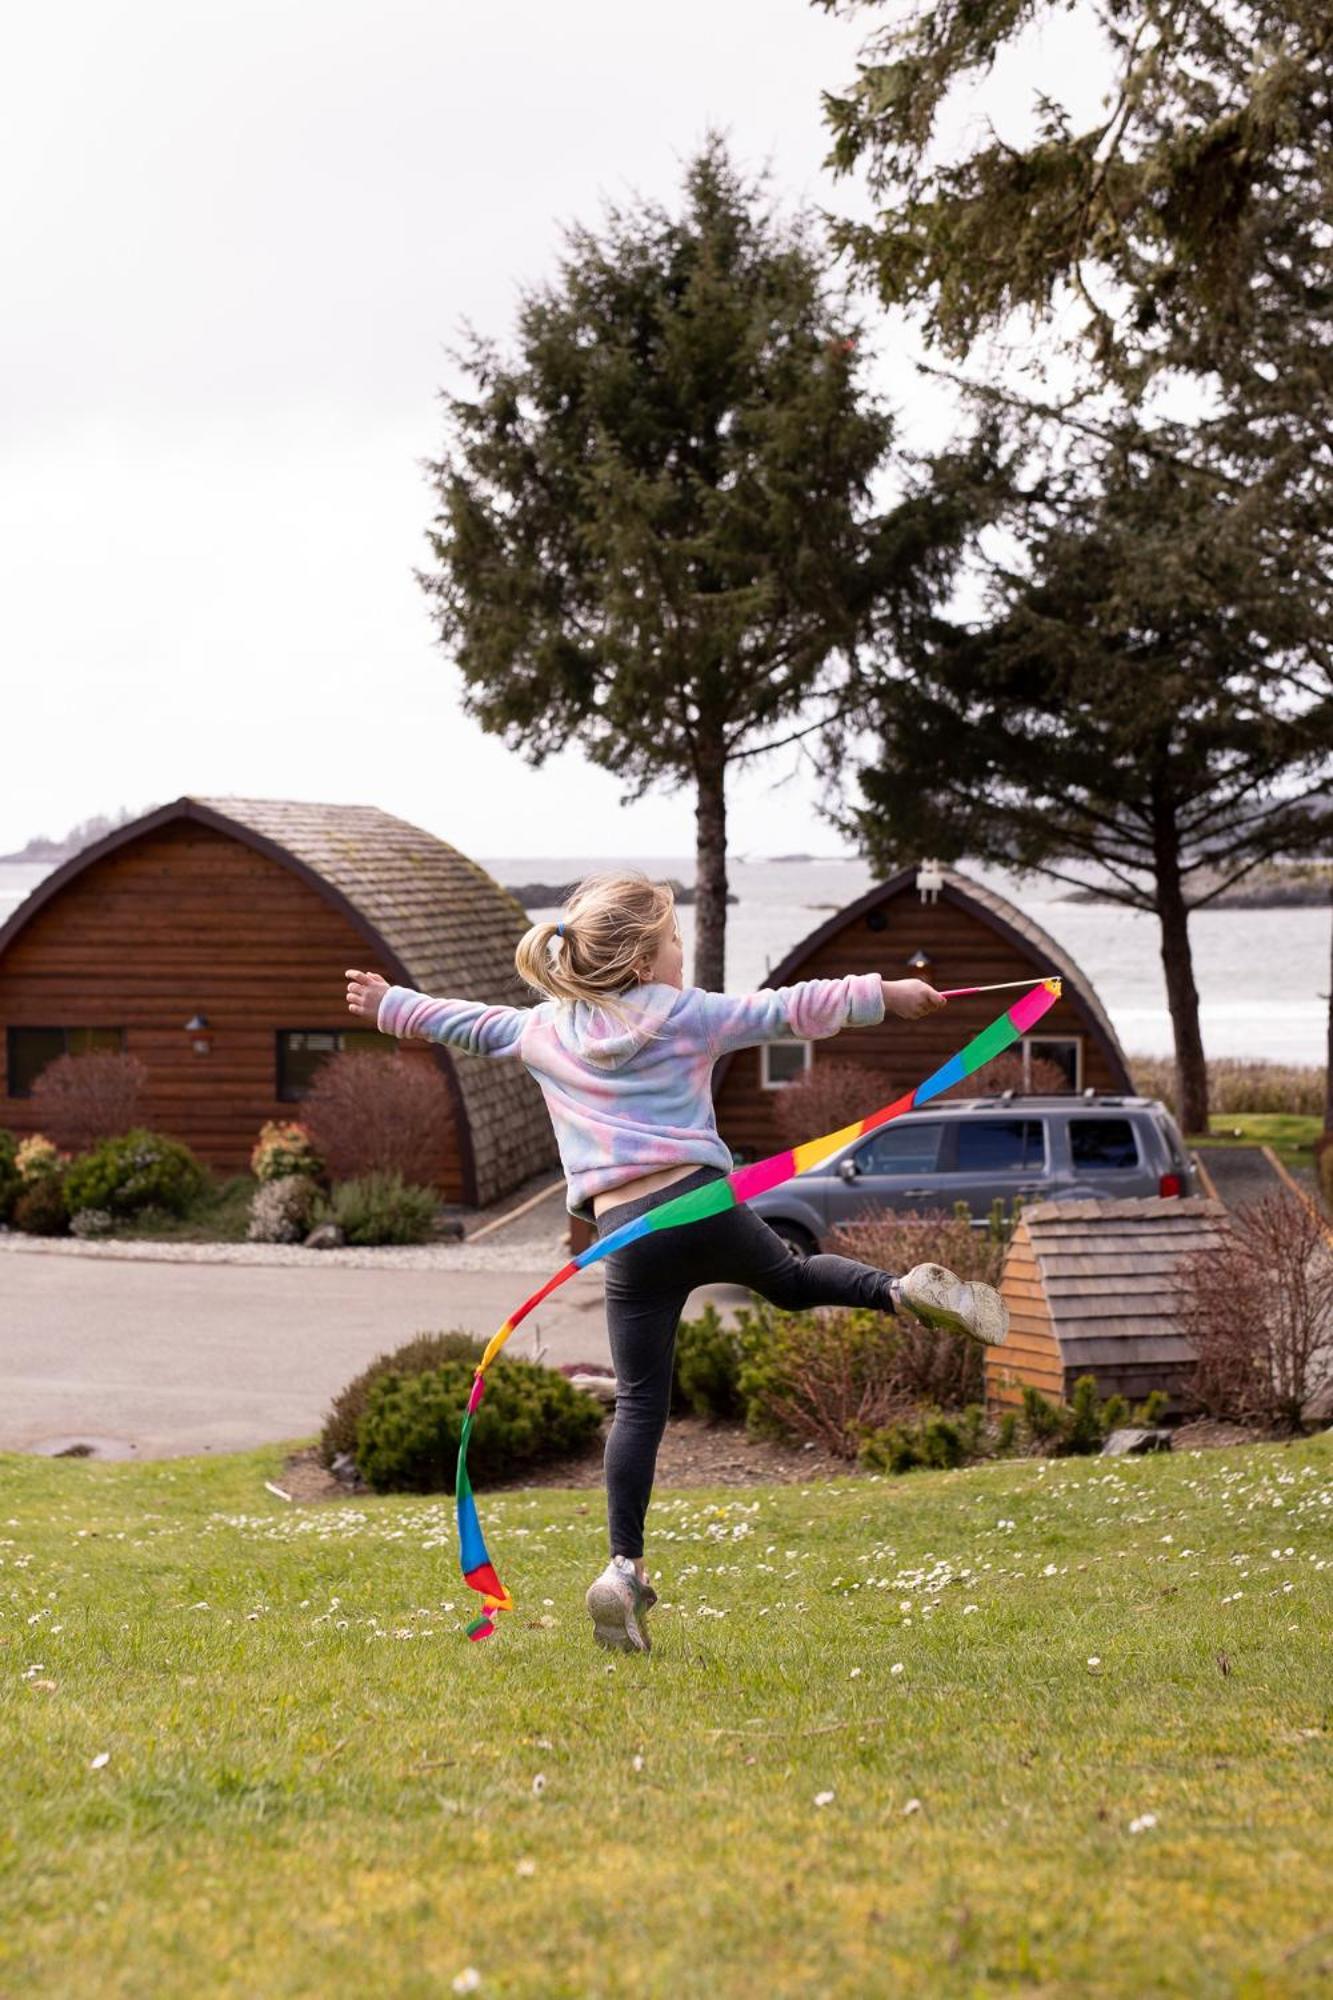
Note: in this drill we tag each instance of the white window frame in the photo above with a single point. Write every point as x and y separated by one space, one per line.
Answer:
768 1082
1077 1041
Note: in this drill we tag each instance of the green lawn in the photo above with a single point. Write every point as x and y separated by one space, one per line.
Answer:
313 1785
1292 1137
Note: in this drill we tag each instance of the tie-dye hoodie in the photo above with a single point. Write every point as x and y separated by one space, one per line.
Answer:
626 1101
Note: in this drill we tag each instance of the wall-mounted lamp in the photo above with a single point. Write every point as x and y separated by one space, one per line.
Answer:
197 1028
929 881
920 962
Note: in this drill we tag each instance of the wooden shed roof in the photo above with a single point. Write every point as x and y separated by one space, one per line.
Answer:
430 917
1108 1271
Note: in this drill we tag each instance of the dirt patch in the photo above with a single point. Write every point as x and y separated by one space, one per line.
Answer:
693 1453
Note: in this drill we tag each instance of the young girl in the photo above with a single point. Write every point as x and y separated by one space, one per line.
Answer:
623 1052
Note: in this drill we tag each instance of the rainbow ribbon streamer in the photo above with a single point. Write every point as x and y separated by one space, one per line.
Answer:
715 1199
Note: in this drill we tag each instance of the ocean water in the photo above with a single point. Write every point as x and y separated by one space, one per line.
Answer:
1262 974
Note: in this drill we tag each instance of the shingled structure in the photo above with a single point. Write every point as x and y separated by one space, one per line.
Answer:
1090 1291
243 914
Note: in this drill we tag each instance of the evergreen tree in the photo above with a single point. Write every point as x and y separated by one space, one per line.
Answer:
1138 696
654 533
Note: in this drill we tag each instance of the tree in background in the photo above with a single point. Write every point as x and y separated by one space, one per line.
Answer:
655 535
1138 697
1182 237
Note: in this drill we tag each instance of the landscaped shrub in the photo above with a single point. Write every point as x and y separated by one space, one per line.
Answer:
91 1222
40 1209
369 1113
11 1181
1082 1426
285 1148
934 1440
417 1356
407 1439
283 1211
381 1208
37 1158
79 1099
829 1376
829 1096
1257 1309
933 1368
708 1366
137 1171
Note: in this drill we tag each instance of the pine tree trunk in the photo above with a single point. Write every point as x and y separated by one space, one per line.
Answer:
710 908
1182 996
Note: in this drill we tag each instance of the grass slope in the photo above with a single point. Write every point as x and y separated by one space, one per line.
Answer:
312 1784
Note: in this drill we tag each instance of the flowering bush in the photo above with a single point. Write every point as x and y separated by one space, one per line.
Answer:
285 1148
91 1222
38 1159
79 1099
139 1170
387 1114
282 1210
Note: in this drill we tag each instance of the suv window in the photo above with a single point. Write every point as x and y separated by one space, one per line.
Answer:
999 1146
1102 1142
901 1149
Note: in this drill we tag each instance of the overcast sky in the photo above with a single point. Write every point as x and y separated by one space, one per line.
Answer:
236 239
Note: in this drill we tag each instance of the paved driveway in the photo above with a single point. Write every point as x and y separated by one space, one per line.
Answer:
171 1358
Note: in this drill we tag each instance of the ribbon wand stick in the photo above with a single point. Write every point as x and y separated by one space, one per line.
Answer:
1004 986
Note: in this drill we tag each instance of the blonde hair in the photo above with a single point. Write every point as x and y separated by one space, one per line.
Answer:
611 925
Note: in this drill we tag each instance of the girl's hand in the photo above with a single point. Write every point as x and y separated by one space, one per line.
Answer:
909 999
365 990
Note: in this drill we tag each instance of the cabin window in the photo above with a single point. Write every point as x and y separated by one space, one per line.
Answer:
29 1050
1064 1051
781 1063
302 1050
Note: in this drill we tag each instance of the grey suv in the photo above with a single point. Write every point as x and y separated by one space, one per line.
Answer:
977 1148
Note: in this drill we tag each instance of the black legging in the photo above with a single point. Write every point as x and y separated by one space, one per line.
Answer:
647 1284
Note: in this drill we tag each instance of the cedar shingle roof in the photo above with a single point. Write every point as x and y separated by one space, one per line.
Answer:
452 930
1108 1269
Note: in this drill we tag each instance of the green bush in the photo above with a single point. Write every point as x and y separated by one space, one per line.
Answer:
407 1439
708 1366
1083 1425
41 1208
382 1208
139 1170
425 1351
10 1179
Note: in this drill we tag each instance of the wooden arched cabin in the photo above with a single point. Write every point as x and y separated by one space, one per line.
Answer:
242 915
962 934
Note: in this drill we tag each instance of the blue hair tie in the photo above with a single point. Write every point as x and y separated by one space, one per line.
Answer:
560 930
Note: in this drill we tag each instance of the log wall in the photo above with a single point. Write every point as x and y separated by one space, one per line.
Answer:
187 920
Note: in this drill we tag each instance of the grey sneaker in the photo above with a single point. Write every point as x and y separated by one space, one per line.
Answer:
939 1299
618 1603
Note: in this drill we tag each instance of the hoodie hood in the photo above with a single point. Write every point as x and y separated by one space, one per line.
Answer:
587 1030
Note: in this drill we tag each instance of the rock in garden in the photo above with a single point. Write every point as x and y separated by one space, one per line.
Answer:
345 1472
446 1229
1127 1443
328 1236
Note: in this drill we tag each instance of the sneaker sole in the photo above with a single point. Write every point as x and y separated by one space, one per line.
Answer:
955 1305
613 1622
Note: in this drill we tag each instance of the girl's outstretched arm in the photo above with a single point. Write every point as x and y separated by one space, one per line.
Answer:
471 1025
811 1009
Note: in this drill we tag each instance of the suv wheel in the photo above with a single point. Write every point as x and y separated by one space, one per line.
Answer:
799 1241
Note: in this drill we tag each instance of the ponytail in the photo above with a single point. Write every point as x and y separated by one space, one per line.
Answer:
595 952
